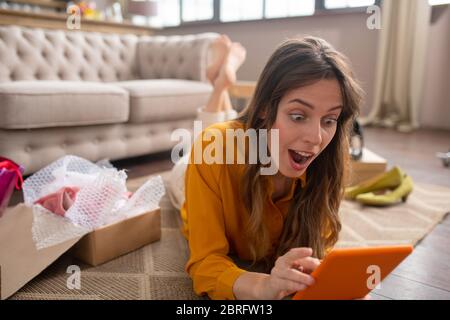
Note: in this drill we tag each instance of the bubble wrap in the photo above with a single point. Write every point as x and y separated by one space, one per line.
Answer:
148 196
101 200
66 171
49 229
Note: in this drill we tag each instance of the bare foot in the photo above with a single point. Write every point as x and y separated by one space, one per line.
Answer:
234 59
219 50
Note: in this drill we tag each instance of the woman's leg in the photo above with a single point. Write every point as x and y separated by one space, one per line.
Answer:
230 112
217 109
213 112
208 115
218 52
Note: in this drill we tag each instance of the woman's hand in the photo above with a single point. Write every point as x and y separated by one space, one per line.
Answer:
290 274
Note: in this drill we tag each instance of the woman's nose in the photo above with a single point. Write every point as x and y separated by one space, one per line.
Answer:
313 135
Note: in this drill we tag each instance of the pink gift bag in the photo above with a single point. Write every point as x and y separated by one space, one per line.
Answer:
10 177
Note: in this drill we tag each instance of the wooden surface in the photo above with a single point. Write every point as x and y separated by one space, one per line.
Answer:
243 89
415 153
426 273
58 21
42 3
369 166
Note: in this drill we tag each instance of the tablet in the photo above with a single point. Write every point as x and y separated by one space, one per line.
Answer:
352 273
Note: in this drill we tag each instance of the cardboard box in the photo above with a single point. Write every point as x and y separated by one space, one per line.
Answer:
109 242
369 166
20 261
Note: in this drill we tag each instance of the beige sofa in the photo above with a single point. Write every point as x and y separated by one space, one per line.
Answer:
96 95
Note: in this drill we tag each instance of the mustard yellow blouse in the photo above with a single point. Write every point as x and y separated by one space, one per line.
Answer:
214 217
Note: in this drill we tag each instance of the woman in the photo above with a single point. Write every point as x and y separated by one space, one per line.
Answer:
307 93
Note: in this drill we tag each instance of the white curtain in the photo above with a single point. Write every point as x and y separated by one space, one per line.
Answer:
401 64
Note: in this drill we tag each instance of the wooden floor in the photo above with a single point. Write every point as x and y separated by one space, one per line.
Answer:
426 273
414 152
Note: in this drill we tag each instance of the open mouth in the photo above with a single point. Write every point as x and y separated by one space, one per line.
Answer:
300 158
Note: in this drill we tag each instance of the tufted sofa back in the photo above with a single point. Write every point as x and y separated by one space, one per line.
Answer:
174 57
39 54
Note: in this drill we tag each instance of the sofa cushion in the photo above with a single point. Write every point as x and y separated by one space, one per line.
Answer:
41 104
165 99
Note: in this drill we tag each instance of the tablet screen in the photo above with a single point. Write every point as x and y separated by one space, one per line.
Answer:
353 272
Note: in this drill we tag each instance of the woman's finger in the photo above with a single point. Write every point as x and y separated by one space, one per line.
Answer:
289 287
290 274
295 254
308 264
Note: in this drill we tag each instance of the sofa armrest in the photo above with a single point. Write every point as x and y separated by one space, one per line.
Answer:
174 57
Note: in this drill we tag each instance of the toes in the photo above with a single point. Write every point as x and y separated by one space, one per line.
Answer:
227 39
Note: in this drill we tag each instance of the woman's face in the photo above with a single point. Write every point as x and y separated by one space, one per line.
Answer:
306 120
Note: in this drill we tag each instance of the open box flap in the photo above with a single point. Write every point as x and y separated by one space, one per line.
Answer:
17 249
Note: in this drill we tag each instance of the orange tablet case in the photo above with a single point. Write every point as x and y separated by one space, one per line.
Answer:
350 273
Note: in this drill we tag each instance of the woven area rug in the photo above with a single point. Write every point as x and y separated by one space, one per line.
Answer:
156 271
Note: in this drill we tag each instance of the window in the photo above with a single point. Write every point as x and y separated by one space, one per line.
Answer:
339 4
176 12
438 2
197 10
192 10
289 8
168 14
238 10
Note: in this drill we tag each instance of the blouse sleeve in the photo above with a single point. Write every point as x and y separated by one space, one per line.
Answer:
212 271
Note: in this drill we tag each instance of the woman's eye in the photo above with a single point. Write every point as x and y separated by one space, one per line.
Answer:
330 121
297 117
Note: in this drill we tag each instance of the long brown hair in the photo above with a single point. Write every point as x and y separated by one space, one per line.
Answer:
312 219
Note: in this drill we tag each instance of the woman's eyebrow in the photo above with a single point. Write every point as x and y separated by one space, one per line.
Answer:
309 105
